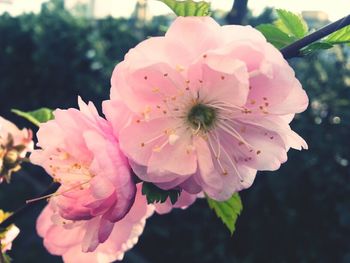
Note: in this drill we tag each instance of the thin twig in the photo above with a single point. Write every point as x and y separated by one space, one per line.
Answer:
11 219
293 50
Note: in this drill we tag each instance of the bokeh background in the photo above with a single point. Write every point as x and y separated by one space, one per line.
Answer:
300 213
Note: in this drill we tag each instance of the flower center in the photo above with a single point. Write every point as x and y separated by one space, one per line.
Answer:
201 117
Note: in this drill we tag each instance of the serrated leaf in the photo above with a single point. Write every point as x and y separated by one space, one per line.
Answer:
36 117
292 24
188 7
156 195
315 47
341 36
228 211
275 36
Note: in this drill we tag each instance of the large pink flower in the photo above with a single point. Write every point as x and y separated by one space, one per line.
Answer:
205 107
79 150
14 145
64 237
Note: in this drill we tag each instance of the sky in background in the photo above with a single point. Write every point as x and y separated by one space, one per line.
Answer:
335 8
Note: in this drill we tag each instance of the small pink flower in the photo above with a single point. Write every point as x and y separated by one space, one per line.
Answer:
14 145
8 235
80 152
64 237
205 107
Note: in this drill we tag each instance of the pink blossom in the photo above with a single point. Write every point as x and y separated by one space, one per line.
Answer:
14 145
205 107
79 150
64 237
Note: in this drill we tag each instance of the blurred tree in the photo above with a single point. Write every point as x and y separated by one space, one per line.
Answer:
238 12
299 214
267 16
50 58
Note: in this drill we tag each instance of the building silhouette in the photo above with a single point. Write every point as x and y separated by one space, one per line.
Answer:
141 13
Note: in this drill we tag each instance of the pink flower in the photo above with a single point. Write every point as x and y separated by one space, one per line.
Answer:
205 107
8 235
80 152
64 237
14 145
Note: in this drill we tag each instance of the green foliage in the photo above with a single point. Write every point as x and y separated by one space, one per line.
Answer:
312 48
275 36
156 195
228 211
36 117
341 36
188 7
292 24
291 27
47 58
287 29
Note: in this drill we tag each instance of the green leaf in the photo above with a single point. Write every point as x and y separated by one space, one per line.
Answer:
341 36
188 7
156 195
292 24
275 36
36 117
315 47
227 211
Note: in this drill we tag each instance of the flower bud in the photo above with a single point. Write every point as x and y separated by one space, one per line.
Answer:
14 145
11 157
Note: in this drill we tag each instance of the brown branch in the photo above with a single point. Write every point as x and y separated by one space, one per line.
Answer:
293 50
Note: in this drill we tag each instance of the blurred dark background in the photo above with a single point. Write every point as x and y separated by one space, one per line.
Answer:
301 213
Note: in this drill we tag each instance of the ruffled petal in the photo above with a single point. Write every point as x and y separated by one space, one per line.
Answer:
180 152
207 175
91 236
220 79
205 28
139 139
256 147
117 110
